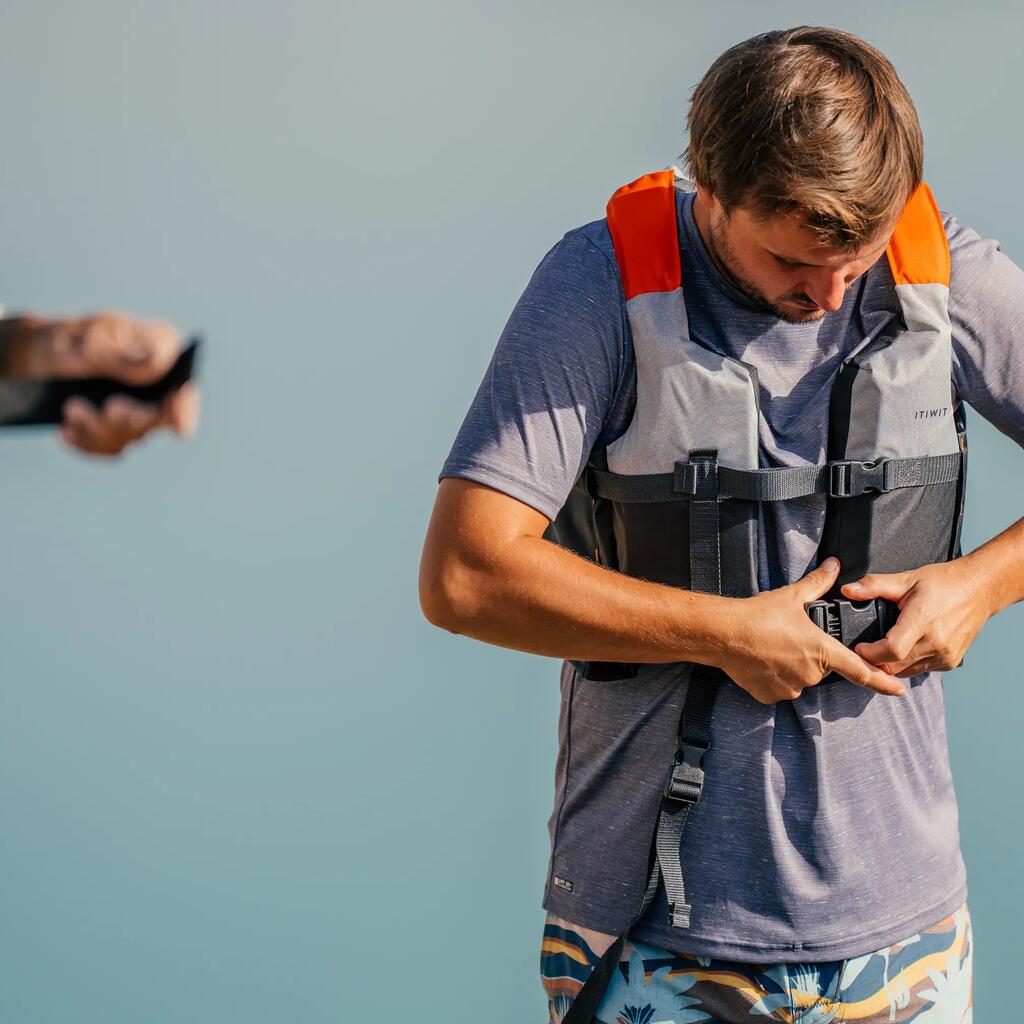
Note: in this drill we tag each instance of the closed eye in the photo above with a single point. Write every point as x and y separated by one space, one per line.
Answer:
788 264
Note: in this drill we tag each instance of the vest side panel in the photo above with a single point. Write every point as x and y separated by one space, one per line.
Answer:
687 396
902 393
895 400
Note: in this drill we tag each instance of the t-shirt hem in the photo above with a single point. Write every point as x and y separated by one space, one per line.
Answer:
509 485
808 951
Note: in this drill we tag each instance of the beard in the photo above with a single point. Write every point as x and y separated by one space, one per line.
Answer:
724 257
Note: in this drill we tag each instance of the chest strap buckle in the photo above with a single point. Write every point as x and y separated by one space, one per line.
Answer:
854 622
849 478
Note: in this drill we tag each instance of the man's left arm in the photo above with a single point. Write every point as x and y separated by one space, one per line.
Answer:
944 606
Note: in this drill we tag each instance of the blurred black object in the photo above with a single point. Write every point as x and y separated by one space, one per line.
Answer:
39 402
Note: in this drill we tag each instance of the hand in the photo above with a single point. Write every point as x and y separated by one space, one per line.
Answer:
775 651
942 608
123 420
125 348
106 345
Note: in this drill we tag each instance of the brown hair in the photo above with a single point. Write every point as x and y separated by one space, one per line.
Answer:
807 119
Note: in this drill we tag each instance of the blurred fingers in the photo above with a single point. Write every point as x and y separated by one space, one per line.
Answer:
115 345
181 410
108 431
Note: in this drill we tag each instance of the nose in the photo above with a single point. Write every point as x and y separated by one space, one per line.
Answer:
828 288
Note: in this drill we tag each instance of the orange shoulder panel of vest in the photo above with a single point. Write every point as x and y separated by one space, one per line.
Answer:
919 250
642 222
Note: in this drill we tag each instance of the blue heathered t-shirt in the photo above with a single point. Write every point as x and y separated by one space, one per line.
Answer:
834 830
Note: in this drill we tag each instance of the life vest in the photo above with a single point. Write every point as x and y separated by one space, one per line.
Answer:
674 500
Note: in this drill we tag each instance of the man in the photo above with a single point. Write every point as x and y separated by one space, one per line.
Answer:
111 345
822 868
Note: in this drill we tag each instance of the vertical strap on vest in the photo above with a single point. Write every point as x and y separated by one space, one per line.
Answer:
705 542
686 782
685 785
686 779
681 793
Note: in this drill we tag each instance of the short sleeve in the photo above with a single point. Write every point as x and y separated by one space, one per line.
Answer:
986 307
553 382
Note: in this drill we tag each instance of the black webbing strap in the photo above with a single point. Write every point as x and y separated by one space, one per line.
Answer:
686 779
705 550
685 786
844 478
695 719
583 1009
694 732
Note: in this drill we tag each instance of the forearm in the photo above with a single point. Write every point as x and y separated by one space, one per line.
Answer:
538 597
1000 564
23 346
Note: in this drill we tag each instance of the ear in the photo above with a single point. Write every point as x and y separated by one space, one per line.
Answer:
707 198
708 208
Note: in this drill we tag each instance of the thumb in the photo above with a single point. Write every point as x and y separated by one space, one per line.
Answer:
181 410
890 585
818 581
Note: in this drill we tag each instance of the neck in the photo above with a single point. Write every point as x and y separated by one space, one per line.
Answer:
700 215
702 218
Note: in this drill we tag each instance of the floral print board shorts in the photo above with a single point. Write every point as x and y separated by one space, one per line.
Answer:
926 978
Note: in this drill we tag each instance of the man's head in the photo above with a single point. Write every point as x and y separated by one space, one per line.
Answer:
805 147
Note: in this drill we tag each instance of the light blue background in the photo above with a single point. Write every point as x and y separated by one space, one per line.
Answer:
241 778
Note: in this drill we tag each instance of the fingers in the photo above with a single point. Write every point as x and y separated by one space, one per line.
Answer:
919 667
181 410
897 646
109 430
854 668
114 345
818 581
150 351
893 586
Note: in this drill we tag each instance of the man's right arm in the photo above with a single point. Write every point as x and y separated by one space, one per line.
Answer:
487 572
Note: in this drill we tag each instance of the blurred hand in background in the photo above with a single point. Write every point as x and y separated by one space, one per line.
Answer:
106 344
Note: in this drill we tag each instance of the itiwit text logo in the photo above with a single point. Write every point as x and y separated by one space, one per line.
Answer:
928 414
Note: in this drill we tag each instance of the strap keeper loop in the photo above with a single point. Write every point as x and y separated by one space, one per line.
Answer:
698 477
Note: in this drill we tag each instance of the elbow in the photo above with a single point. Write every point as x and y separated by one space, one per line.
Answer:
437 606
448 595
